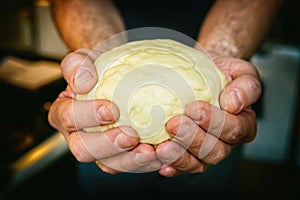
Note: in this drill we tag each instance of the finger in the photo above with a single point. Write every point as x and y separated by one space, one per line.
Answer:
87 147
169 171
105 168
186 163
175 156
68 115
169 151
232 129
244 88
152 166
79 71
92 54
56 112
240 94
141 159
91 113
234 67
203 146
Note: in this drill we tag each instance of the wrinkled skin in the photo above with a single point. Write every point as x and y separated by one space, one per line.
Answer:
118 150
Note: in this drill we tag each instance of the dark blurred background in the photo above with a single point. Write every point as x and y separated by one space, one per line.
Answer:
34 160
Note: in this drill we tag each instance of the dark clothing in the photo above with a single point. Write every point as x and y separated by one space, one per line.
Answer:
183 16
217 182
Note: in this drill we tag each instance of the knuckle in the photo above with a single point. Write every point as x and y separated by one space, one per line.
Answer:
250 136
54 114
66 118
70 60
182 163
254 85
59 116
52 117
244 129
185 132
162 154
72 63
128 166
198 141
107 170
83 51
200 168
218 155
169 152
77 150
236 133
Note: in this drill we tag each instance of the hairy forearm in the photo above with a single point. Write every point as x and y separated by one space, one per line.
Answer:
85 23
237 27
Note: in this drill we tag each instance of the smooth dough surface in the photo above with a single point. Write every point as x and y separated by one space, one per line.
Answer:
151 81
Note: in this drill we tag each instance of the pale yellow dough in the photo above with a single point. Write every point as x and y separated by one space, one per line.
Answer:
153 80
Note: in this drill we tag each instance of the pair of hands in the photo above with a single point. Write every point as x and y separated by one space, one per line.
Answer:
118 149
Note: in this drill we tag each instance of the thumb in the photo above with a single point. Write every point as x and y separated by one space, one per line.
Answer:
240 93
79 71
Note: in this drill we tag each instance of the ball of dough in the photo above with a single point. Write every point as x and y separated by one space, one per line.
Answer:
151 81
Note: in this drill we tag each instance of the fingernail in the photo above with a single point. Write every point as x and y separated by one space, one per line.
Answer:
123 142
105 115
234 101
81 77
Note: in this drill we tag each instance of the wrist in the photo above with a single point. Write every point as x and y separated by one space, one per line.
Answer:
222 46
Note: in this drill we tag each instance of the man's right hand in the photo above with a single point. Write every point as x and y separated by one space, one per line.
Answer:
115 150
